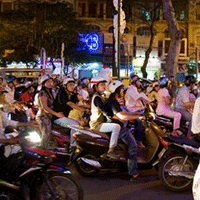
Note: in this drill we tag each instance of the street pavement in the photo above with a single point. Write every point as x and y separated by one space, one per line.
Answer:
116 186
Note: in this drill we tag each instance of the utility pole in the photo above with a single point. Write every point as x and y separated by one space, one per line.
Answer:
62 58
197 65
118 47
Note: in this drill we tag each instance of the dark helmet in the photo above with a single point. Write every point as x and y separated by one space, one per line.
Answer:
163 82
11 79
134 78
189 80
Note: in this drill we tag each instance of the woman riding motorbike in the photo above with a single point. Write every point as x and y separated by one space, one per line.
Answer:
45 104
116 88
99 111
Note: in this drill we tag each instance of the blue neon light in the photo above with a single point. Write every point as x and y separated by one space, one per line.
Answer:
92 41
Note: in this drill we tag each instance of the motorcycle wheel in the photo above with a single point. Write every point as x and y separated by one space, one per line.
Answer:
7 194
64 185
84 170
173 163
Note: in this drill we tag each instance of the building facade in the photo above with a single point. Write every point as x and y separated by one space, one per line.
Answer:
136 37
135 40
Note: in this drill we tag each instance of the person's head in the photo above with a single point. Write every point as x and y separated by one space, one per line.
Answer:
47 81
164 82
156 86
135 80
1 80
69 84
98 84
2 98
12 81
80 97
116 88
190 81
195 90
84 86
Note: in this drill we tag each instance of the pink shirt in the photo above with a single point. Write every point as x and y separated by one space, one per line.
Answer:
162 106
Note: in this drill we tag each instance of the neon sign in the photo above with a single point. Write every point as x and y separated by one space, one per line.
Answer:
92 41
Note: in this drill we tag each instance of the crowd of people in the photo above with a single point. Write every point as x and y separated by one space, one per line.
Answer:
83 103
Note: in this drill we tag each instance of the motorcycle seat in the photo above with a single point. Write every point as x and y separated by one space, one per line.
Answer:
183 141
164 118
61 129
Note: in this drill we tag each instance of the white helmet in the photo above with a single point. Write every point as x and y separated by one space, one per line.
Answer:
114 85
27 84
45 78
67 80
96 80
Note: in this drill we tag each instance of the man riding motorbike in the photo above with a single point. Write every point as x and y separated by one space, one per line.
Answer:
65 101
116 87
182 102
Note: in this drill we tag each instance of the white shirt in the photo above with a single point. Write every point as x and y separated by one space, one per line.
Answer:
132 99
182 97
196 117
10 95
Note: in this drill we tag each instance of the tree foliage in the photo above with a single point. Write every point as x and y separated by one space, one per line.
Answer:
147 12
38 23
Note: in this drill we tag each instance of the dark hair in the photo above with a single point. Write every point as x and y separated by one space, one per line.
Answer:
117 92
45 89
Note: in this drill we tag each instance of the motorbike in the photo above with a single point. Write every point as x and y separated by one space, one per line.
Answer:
178 163
59 142
91 145
32 173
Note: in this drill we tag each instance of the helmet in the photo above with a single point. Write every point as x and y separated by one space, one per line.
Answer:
97 80
27 84
189 80
134 78
68 80
114 85
11 79
163 82
194 88
45 78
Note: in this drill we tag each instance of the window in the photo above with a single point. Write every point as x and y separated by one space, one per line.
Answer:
93 28
183 50
92 10
110 30
7 6
145 30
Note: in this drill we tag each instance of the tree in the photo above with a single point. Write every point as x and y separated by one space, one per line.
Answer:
148 13
174 49
36 24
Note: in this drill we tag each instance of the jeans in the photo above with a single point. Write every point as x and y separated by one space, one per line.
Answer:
64 122
114 129
187 116
129 140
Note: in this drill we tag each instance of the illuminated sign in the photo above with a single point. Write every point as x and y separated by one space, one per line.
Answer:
92 41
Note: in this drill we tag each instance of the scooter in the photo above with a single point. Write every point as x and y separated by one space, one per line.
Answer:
92 144
30 173
59 142
178 163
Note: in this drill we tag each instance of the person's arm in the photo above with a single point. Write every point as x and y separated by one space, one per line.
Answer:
127 116
189 104
102 107
8 141
44 105
75 106
168 100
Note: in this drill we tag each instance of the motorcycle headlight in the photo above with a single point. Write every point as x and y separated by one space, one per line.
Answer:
33 137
